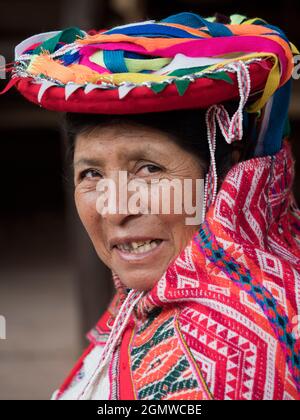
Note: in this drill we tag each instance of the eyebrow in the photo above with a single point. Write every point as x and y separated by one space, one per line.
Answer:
132 155
88 162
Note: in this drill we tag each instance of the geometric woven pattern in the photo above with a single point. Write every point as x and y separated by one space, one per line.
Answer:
237 320
160 368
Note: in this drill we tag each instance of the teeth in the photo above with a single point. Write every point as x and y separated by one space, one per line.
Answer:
139 247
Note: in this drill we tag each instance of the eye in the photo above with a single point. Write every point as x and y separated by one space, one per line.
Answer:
149 169
89 174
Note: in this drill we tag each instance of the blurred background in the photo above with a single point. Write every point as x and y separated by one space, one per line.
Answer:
53 288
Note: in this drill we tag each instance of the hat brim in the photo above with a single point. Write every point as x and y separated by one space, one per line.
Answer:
202 93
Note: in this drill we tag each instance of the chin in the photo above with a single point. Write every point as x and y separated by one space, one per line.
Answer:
142 281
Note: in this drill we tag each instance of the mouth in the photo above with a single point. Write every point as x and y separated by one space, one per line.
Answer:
137 250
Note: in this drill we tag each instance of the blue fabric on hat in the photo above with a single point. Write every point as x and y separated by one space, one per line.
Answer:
280 31
152 30
131 54
70 58
272 141
195 21
114 61
275 28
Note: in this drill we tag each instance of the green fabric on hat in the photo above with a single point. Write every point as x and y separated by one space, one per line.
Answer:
182 85
222 75
68 35
237 19
158 87
191 70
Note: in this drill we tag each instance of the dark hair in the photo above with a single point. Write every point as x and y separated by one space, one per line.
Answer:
186 127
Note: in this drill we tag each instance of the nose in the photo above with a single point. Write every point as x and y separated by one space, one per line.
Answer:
114 197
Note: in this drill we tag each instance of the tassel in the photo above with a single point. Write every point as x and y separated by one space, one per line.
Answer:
10 84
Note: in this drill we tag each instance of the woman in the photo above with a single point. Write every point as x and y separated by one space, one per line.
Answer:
206 310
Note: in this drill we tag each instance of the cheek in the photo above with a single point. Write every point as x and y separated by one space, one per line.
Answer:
180 233
86 208
92 221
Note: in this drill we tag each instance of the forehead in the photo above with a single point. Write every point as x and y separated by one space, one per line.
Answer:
122 141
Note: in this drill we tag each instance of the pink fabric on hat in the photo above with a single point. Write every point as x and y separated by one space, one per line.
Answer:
85 60
207 48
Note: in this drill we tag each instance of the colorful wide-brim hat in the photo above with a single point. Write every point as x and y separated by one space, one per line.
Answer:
183 61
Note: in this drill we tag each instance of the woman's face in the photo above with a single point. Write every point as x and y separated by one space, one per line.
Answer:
136 246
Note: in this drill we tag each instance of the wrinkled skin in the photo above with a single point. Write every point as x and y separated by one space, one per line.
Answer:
144 153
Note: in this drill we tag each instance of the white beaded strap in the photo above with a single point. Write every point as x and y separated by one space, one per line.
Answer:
232 130
118 327
210 187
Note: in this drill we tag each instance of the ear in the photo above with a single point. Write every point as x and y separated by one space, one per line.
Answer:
236 155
